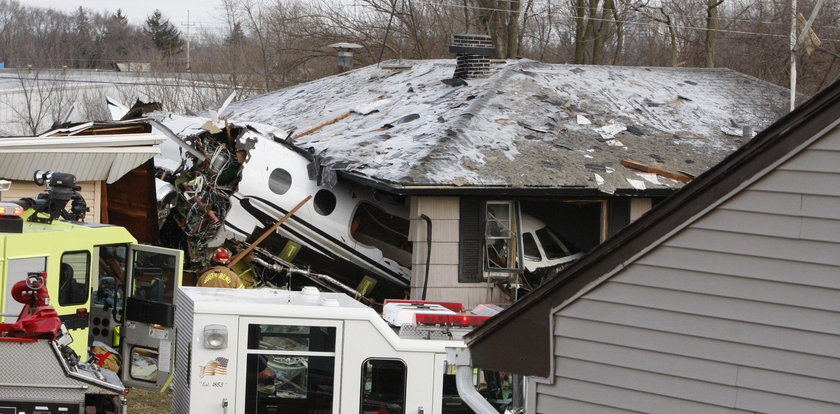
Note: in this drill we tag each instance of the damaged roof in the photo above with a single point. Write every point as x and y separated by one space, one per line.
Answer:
528 125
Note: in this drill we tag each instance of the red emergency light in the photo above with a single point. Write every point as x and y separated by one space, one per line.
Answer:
449 319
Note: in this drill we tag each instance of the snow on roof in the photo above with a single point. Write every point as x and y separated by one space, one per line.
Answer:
528 124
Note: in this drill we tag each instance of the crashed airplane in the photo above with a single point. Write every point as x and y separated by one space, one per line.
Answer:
345 223
348 236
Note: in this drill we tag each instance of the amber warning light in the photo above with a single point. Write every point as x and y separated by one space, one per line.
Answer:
10 209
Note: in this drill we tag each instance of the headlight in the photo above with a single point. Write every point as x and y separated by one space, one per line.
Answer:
215 337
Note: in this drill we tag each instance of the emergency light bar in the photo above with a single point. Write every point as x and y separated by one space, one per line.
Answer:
453 306
449 320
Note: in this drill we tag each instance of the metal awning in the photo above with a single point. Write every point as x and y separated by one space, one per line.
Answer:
88 157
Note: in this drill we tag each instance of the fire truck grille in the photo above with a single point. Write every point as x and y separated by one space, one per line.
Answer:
184 332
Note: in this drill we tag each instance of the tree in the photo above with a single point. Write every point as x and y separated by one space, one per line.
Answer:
500 19
712 23
593 22
165 36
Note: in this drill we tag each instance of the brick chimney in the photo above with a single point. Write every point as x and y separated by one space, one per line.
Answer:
472 54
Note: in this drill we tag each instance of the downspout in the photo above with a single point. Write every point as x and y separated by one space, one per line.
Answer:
428 252
460 358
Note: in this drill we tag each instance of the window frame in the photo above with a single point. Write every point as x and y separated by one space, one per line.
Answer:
363 380
515 262
87 281
243 392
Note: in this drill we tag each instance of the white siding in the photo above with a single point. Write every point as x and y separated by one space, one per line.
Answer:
739 312
90 191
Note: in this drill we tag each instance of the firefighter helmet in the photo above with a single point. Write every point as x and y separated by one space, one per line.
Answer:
221 256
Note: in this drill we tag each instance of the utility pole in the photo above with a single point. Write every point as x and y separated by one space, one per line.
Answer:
792 54
798 40
188 25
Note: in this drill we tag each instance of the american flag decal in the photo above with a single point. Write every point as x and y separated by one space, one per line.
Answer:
217 366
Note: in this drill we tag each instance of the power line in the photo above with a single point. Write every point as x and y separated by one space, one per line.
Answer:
105 82
628 22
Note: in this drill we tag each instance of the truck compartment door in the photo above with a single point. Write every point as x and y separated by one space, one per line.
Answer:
148 331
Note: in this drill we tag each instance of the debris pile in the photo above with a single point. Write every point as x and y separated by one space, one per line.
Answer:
199 176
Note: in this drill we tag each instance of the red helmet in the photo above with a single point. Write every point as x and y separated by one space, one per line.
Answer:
221 256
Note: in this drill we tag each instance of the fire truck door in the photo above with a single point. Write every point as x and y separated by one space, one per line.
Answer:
148 331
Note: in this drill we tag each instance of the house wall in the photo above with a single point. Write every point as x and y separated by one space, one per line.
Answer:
443 264
91 191
738 312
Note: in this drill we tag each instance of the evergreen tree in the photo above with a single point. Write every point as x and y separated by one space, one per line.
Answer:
164 35
117 37
236 35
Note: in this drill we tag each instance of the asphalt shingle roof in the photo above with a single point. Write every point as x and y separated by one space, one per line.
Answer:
527 125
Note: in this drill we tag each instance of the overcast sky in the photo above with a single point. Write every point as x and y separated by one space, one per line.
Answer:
202 12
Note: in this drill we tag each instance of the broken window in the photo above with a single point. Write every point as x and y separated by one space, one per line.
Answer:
375 227
501 233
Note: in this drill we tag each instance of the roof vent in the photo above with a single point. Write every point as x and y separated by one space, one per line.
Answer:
345 55
472 54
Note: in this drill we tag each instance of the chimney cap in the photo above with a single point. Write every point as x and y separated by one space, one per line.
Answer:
345 46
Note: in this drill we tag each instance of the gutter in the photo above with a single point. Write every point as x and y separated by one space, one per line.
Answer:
460 358
569 191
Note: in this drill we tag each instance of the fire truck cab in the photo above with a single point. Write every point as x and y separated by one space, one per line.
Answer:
278 351
106 289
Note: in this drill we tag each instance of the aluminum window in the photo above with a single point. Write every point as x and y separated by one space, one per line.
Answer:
500 236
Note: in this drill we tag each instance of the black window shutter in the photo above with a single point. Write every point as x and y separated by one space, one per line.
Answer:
471 241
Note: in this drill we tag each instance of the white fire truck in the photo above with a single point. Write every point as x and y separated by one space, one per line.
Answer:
278 351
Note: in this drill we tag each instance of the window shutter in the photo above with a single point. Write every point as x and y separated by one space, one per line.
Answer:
471 233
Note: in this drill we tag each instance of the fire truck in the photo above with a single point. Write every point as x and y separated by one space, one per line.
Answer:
279 351
97 283
69 285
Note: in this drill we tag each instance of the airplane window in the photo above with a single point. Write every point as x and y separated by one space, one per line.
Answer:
324 202
279 181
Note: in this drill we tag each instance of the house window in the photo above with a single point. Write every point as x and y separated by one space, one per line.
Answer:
500 236
383 386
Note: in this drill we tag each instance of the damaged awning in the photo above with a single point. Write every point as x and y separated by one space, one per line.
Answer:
91 151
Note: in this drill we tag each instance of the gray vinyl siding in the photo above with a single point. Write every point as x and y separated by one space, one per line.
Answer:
738 312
